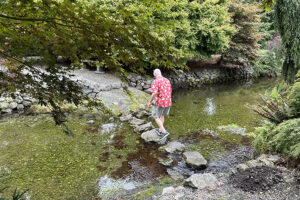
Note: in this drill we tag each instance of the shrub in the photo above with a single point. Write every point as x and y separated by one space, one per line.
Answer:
281 139
268 64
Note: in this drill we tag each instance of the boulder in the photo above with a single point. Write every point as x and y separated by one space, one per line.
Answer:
144 127
173 146
201 181
152 136
136 122
195 160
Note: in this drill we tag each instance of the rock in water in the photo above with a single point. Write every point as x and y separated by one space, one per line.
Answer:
173 146
136 122
195 160
166 161
152 136
126 118
144 127
107 128
201 181
175 175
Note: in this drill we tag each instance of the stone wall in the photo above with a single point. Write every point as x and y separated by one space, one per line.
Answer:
19 103
194 78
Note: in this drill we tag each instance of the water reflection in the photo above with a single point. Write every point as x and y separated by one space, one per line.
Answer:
210 107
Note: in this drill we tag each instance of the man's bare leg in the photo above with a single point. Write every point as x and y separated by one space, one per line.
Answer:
162 119
160 124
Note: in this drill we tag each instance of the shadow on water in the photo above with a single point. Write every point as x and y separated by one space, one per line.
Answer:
142 164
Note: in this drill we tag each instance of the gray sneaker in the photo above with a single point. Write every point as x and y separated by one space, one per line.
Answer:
159 133
164 135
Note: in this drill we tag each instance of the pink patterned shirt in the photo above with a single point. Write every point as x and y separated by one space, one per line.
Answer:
164 89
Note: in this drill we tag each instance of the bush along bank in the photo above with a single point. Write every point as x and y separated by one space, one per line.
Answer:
281 134
195 78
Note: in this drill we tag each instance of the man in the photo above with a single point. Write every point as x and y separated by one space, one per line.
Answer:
161 90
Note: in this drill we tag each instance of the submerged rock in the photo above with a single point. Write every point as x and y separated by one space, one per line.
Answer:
173 146
108 128
166 161
195 160
201 181
235 129
175 174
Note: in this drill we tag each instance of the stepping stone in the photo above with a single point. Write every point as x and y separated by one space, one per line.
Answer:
136 122
125 118
195 160
152 136
142 113
144 127
201 181
173 146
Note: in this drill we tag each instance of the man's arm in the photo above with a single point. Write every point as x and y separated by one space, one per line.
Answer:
151 99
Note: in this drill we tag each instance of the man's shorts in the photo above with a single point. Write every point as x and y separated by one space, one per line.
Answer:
158 111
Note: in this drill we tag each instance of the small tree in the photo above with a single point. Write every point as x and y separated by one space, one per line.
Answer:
244 44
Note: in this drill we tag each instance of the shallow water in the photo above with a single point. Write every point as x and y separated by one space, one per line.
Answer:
215 120
212 120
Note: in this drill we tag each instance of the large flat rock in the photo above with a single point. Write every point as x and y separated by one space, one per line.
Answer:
152 136
201 181
174 146
195 160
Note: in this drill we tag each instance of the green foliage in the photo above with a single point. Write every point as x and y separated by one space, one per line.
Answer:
74 30
288 25
261 138
197 28
210 25
269 63
244 43
294 97
283 138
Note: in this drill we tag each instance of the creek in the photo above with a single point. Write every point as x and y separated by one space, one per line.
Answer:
214 120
